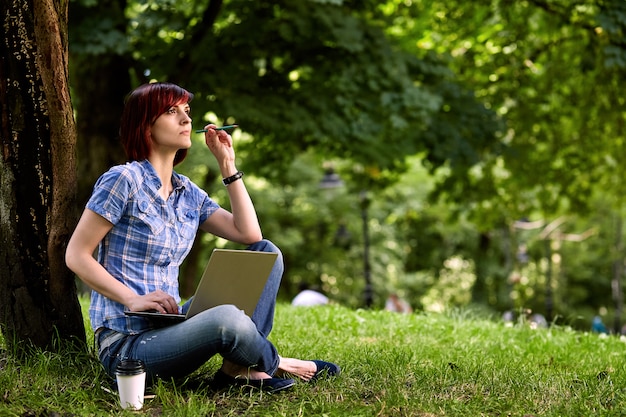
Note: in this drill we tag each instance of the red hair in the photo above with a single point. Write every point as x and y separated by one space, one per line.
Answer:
143 106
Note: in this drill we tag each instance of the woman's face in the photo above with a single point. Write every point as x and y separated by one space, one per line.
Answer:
171 131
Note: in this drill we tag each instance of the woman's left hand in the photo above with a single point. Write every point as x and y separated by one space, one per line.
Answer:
220 143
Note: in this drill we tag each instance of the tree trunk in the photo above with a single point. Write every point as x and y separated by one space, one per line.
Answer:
37 177
100 81
616 279
479 289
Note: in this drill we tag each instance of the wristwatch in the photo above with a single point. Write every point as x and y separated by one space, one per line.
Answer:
232 178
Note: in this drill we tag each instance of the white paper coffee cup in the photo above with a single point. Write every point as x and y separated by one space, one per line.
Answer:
131 383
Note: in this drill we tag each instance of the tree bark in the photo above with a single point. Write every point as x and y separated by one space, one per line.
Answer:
37 177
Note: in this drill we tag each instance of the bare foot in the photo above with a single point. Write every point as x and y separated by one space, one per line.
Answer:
239 371
304 370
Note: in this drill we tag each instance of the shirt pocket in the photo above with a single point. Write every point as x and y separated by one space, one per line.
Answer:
187 222
148 215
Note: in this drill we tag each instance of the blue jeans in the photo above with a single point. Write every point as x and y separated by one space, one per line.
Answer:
180 349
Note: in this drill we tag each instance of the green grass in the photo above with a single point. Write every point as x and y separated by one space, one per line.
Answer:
456 364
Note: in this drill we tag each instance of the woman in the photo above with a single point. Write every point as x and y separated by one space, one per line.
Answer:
142 218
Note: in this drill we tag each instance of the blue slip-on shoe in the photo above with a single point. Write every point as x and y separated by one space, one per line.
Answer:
325 369
222 380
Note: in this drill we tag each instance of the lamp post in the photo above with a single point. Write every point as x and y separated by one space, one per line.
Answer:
329 181
367 272
332 180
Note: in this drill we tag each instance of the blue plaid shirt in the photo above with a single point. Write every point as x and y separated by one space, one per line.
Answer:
150 237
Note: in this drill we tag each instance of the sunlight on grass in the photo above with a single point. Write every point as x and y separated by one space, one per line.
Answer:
424 364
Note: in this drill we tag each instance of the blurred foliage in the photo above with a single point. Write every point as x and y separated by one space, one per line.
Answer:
298 76
456 119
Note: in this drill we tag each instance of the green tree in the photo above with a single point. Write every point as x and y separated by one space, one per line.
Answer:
100 63
551 69
296 76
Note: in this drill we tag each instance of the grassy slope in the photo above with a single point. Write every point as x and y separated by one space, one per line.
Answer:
394 365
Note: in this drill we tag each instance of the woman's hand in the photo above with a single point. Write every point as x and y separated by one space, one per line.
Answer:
158 301
220 143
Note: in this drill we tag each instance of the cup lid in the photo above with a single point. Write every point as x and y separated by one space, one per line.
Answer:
129 367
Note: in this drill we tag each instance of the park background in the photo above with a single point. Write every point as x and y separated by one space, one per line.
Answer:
460 154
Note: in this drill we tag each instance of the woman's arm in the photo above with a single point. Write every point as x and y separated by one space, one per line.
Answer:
90 230
241 224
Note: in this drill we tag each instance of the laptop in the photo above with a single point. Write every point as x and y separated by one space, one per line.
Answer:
231 277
